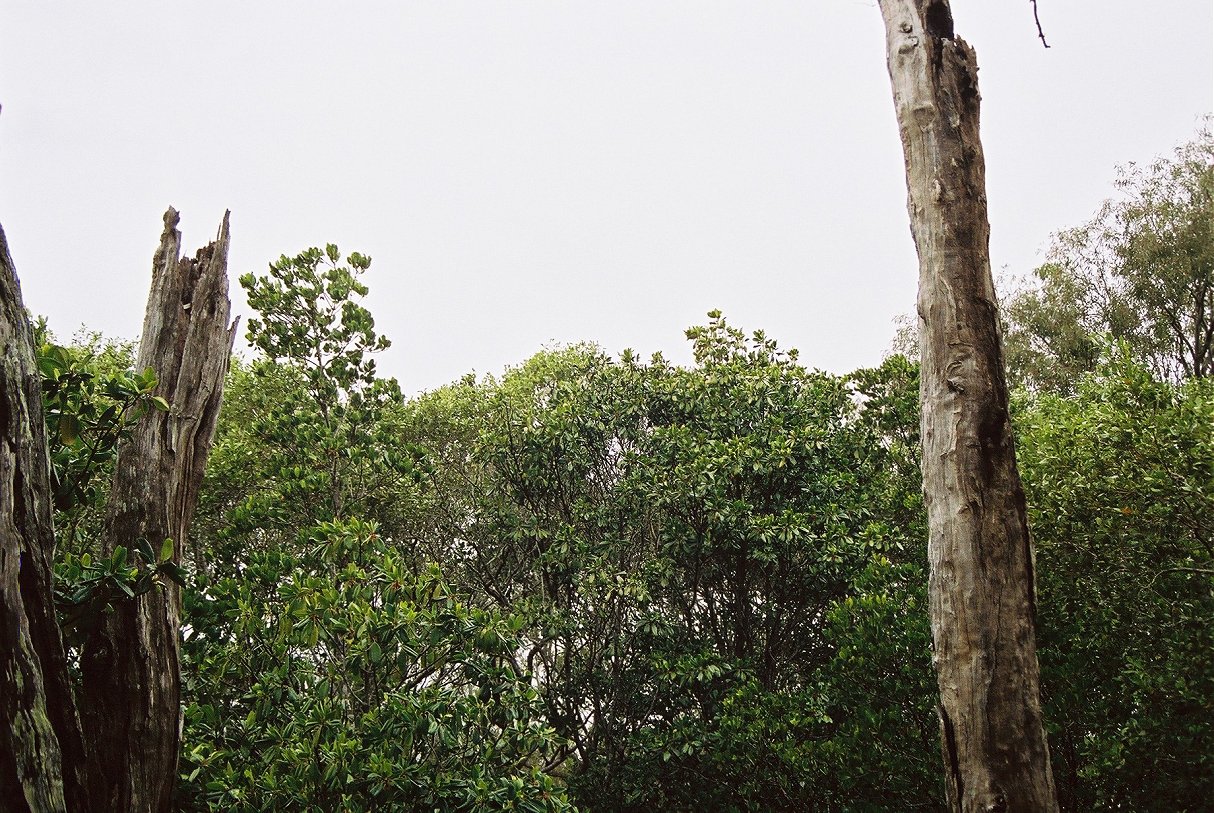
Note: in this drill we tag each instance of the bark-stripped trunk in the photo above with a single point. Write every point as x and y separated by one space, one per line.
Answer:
981 584
41 750
131 667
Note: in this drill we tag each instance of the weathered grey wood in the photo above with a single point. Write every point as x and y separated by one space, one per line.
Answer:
982 581
41 750
131 667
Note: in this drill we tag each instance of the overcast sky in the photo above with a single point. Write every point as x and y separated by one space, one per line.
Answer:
538 172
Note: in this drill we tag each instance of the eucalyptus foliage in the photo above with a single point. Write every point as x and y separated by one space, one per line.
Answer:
1140 272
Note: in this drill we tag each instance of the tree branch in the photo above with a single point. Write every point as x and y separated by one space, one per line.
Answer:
1037 20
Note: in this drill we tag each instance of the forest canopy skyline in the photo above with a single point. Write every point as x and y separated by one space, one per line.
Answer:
547 175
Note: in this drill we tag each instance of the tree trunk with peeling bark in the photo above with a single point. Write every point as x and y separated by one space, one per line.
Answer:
131 666
982 583
41 749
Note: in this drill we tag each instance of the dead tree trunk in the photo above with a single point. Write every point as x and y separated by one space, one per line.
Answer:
982 583
41 750
131 666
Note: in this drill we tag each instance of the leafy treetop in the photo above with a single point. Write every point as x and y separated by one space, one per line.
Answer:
308 314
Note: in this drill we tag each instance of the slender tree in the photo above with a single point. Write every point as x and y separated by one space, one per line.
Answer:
982 583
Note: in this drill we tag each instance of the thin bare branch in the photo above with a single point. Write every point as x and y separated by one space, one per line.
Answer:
1037 20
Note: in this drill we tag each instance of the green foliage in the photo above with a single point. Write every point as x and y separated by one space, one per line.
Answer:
676 538
661 588
87 587
314 408
327 667
1141 272
91 400
280 465
889 398
884 693
308 315
1119 481
615 584
365 687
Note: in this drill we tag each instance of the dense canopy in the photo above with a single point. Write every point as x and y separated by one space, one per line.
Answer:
603 582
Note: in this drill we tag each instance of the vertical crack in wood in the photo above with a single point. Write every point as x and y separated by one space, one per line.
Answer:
955 781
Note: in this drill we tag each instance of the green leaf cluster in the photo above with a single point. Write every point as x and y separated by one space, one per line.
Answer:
372 687
91 400
676 539
87 587
308 313
328 665
1141 272
1120 484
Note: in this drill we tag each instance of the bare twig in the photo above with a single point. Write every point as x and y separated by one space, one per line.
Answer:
1036 19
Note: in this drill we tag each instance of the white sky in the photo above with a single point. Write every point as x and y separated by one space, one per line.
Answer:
535 172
